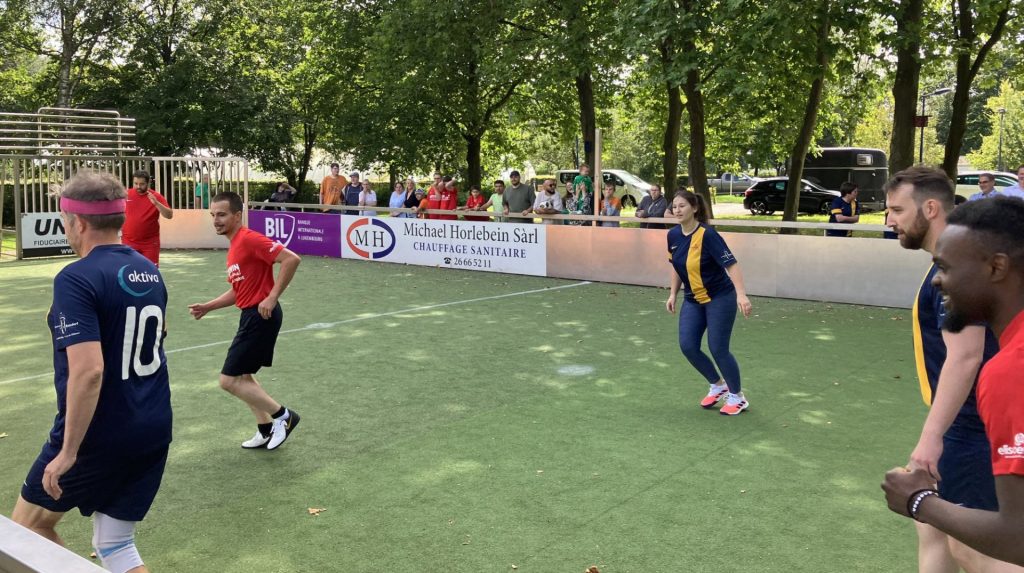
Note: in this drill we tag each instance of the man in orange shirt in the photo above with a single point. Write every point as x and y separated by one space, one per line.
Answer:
141 230
331 186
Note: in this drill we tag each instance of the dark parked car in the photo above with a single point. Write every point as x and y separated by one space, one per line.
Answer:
769 195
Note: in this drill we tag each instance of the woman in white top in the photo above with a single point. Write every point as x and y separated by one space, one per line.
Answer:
367 198
397 200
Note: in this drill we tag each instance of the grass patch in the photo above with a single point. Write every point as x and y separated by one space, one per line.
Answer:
456 438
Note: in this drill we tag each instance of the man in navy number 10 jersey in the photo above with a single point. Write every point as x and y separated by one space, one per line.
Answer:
106 452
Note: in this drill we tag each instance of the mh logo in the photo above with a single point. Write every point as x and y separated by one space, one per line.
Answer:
370 238
280 227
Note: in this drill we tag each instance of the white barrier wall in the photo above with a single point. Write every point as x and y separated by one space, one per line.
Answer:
874 272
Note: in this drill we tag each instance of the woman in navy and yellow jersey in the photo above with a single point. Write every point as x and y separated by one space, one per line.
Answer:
713 289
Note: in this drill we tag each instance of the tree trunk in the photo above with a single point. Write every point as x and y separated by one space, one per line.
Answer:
958 120
64 94
392 177
588 117
966 71
698 138
474 171
670 143
803 140
309 135
904 89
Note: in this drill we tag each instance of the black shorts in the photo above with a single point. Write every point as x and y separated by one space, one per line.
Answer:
122 487
966 469
253 346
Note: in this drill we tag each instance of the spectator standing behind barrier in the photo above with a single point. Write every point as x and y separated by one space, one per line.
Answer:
986 186
422 204
653 205
108 445
283 193
952 447
433 197
367 198
980 278
1016 190
584 180
449 199
582 204
547 202
144 208
519 197
844 209
331 187
610 206
496 200
713 290
397 200
203 192
352 191
474 202
411 199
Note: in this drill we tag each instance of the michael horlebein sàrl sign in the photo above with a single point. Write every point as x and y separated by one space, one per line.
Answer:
482 246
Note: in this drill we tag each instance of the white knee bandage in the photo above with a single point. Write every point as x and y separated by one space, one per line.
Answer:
114 541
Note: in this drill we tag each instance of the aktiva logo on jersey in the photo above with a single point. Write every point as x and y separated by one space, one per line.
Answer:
130 281
370 238
280 227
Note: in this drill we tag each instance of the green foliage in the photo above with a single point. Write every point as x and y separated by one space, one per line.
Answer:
1011 101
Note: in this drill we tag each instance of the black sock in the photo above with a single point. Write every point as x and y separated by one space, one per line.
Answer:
264 429
279 413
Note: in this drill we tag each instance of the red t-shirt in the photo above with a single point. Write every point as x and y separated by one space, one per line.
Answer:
1001 402
449 200
433 199
251 266
473 202
141 219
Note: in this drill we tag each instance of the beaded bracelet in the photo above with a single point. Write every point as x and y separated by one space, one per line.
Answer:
915 499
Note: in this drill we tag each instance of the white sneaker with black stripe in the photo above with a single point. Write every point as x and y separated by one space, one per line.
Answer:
256 442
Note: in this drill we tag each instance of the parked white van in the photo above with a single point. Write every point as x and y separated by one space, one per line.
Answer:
629 188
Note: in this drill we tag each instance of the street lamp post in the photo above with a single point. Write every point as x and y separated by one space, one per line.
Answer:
940 91
999 161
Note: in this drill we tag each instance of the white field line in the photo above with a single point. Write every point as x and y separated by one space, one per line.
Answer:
327 325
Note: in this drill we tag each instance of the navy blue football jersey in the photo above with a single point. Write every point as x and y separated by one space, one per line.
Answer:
116 297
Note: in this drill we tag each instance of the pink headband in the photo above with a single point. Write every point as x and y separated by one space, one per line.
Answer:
111 207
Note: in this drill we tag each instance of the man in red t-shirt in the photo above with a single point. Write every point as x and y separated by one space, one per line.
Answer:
251 258
141 230
449 198
980 257
432 200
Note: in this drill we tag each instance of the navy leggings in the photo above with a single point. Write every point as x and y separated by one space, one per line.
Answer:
715 317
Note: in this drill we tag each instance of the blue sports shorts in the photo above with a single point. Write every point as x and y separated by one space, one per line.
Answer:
966 469
122 487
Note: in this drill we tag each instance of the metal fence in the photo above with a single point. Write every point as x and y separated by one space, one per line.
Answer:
34 181
63 131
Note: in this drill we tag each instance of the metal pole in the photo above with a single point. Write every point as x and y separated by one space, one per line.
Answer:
598 178
920 155
17 208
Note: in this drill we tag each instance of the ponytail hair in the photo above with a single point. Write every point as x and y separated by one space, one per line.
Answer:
700 208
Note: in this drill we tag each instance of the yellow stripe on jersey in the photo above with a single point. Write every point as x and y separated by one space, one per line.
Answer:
693 267
922 372
837 211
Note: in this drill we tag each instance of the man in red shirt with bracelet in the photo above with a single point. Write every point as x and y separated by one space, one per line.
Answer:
980 257
251 259
142 214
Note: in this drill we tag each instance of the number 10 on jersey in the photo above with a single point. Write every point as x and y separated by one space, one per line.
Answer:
136 324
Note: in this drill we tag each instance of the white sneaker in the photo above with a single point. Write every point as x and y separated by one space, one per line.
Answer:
257 441
281 429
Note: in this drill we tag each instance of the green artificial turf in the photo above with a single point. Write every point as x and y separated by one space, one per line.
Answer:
440 435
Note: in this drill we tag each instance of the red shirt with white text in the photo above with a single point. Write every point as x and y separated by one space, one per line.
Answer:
1001 401
251 259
